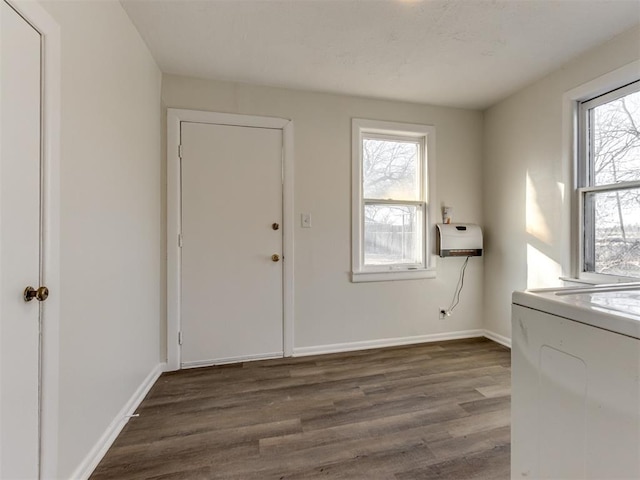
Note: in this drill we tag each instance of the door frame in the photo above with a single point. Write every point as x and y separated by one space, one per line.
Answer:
174 259
49 31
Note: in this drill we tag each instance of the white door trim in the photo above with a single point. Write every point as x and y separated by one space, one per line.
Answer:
174 118
49 30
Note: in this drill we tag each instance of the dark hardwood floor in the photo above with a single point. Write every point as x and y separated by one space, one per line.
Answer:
429 411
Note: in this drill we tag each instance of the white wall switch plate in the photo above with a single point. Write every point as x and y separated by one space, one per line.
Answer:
305 220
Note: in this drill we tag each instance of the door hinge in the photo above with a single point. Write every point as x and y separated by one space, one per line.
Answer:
179 338
179 151
180 240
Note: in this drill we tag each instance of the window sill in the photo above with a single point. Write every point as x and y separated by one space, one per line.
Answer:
357 277
596 279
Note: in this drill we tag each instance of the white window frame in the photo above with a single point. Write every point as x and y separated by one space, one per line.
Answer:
426 136
584 185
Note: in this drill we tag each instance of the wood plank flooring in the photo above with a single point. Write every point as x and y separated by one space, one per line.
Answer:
429 411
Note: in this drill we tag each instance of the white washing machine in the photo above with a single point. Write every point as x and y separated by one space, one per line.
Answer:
576 383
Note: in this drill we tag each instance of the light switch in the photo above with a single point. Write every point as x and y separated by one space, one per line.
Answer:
305 220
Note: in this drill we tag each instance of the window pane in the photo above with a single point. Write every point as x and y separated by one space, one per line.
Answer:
390 169
392 234
616 140
615 226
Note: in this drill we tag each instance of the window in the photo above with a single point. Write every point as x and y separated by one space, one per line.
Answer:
392 200
609 184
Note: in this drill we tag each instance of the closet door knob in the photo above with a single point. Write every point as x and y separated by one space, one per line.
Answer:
41 294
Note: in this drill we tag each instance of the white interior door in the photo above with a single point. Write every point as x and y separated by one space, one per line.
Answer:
231 296
20 147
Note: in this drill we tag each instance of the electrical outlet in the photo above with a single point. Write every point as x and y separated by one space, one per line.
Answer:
442 313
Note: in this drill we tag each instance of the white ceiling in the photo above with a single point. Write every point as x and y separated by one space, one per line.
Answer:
462 53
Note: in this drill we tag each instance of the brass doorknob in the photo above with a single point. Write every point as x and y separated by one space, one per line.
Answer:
275 257
41 294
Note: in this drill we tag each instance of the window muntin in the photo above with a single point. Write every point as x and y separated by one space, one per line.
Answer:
609 183
391 208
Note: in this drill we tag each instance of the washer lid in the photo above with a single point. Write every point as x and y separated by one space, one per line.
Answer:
611 307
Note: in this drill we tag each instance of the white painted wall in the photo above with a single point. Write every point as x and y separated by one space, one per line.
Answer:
110 221
526 181
329 309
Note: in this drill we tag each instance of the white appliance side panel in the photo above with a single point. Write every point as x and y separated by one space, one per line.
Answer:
562 394
524 392
575 399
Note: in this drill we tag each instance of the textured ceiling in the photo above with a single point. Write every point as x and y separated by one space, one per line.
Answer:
461 53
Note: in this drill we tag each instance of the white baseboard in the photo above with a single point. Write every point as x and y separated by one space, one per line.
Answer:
91 461
497 338
385 342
